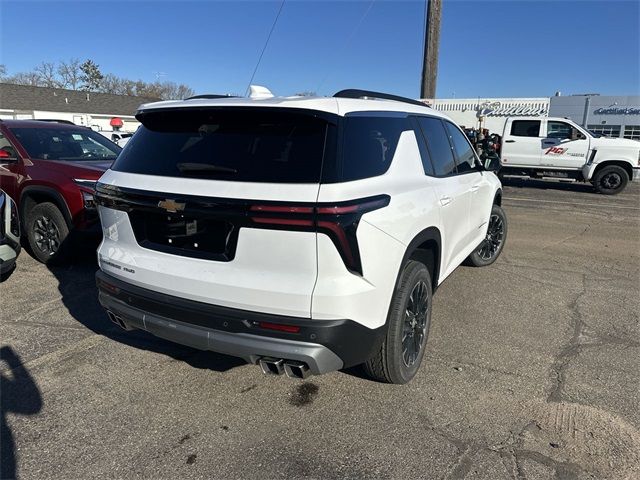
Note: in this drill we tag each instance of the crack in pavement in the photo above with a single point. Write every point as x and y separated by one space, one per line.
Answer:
570 350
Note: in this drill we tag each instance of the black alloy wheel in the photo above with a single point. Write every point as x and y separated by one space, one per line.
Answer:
493 241
46 230
46 235
491 246
416 324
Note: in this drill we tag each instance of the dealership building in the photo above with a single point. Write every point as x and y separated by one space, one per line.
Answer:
614 116
100 111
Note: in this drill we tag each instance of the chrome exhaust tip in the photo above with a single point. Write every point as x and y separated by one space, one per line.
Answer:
271 366
118 321
297 370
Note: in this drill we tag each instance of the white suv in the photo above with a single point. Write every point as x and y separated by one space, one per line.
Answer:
303 234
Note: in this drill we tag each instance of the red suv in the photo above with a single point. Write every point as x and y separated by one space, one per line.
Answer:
50 170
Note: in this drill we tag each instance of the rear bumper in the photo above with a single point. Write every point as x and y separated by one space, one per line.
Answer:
324 345
636 174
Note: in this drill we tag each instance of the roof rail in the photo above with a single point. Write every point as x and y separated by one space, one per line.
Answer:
354 93
210 96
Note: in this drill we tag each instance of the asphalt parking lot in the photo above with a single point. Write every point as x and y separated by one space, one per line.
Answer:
532 371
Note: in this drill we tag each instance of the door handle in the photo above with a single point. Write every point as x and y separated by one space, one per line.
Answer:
445 200
509 141
475 188
548 142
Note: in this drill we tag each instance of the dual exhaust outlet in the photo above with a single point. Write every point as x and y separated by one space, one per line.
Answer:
278 366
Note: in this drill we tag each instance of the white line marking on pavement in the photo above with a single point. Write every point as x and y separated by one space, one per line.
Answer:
570 203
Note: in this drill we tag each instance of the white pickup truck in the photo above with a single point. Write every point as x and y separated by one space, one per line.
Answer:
557 147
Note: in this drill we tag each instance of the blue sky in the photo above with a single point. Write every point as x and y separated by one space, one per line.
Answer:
499 48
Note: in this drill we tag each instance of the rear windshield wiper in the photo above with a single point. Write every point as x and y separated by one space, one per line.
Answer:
204 168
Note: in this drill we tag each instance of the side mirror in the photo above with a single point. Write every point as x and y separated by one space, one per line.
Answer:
576 134
492 163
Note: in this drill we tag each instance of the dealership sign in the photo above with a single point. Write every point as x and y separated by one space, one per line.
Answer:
509 110
617 111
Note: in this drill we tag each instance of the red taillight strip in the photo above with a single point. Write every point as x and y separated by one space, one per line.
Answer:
284 221
341 236
281 209
338 221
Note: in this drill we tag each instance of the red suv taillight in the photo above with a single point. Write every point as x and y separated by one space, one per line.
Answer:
339 221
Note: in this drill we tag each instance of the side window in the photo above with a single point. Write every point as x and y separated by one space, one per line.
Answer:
465 157
559 130
422 146
369 145
439 147
525 128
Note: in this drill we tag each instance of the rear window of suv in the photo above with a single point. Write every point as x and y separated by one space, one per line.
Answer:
244 145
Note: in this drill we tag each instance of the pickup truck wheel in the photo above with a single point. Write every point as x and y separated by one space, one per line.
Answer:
491 247
611 180
46 232
401 352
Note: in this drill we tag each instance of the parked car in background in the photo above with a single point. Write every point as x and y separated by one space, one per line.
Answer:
116 136
304 234
50 170
9 235
559 148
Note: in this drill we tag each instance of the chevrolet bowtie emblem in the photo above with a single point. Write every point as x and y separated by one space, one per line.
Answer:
171 205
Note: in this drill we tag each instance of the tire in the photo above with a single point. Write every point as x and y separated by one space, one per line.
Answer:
394 362
491 247
46 232
610 180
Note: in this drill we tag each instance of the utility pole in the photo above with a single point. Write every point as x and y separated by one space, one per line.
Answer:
431 46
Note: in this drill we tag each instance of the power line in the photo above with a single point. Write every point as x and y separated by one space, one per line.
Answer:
265 46
348 40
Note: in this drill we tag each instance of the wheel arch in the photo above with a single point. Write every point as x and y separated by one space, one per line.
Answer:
425 248
32 195
626 166
497 198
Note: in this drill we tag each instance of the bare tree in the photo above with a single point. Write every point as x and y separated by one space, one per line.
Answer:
25 78
70 73
3 72
111 83
48 74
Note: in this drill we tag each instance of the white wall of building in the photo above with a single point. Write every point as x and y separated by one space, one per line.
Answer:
463 111
97 122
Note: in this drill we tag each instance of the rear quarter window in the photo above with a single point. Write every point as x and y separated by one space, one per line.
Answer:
369 144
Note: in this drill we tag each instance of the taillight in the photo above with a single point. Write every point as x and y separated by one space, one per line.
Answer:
339 221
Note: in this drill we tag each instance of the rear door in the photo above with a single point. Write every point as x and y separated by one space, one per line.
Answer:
564 146
480 191
452 191
215 205
522 143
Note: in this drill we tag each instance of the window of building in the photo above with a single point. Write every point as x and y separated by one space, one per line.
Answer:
607 130
525 128
632 132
